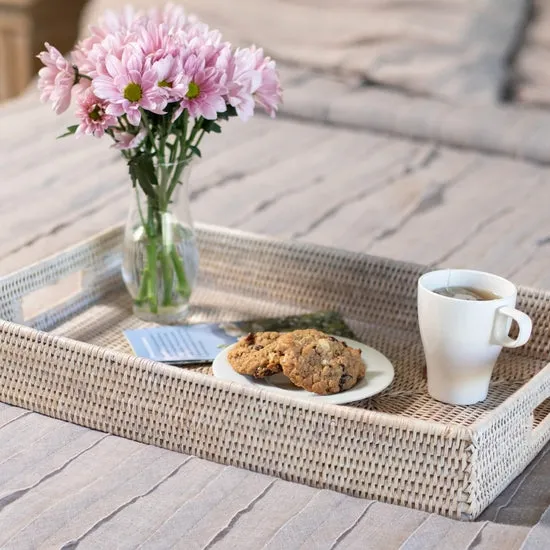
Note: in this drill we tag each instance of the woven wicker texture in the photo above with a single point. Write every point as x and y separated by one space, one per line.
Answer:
400 446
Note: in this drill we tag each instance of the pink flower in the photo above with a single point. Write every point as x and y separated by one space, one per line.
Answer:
55 79
93 118
113 22
203 42
80 56
130 84
81 86
269 94
243 79
125 140
171 79
157 41
172 16
110 34
113 44
205 91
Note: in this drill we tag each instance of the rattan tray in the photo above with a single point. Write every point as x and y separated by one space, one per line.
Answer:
400 446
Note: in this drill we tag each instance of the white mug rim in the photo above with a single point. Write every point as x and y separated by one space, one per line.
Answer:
503 280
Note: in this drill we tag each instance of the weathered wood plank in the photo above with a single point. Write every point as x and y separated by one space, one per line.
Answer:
90 488
539 535
495 536
25 430
320 523
132 525
468 206
438 533
526 498
284 178
201 517
314 200
10 414
270 514
283 143
371 531
39 456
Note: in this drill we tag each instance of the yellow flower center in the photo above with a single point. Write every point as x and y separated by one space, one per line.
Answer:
95 113
165 84
193 91
133 92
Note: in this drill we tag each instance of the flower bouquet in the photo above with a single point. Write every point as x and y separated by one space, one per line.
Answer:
156 82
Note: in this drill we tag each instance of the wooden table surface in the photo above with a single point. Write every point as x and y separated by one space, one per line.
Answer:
311 178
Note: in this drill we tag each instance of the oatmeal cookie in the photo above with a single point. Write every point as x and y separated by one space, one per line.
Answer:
320 363
256 355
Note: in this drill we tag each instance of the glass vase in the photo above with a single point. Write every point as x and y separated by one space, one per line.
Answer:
161 257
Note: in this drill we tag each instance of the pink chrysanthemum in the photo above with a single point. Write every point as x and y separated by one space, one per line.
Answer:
269 94
114 22
205 93
171 15
171 79
205 43
80 56
93 118
113 44
157 41
129 85
55 79
243 79
125 140
110 35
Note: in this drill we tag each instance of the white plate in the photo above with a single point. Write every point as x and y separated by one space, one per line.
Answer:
379 376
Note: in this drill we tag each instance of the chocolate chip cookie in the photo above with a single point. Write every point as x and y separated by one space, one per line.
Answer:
256 355
318 362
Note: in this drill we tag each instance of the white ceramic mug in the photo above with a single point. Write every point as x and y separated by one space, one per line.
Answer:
462 339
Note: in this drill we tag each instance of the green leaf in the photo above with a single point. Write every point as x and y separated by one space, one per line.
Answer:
206 124
142 171
171 109
70 131
231 111
211 126
195 150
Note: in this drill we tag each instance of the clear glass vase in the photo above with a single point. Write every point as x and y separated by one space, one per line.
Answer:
161 257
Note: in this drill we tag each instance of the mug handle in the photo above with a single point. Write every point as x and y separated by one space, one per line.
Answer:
500 330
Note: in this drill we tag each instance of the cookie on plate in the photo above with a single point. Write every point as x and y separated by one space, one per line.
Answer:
320 363
256 355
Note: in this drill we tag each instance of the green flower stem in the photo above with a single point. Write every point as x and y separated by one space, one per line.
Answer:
183 285
167 276
143 288
152 280
200 138
156 166
175 179
150 133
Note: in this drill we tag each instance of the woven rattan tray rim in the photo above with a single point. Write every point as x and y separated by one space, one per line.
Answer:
352 413
474 438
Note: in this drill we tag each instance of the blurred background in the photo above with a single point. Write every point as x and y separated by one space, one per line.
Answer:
455 50
412 129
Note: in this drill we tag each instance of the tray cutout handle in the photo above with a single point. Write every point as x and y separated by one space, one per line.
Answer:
43 299
541 418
